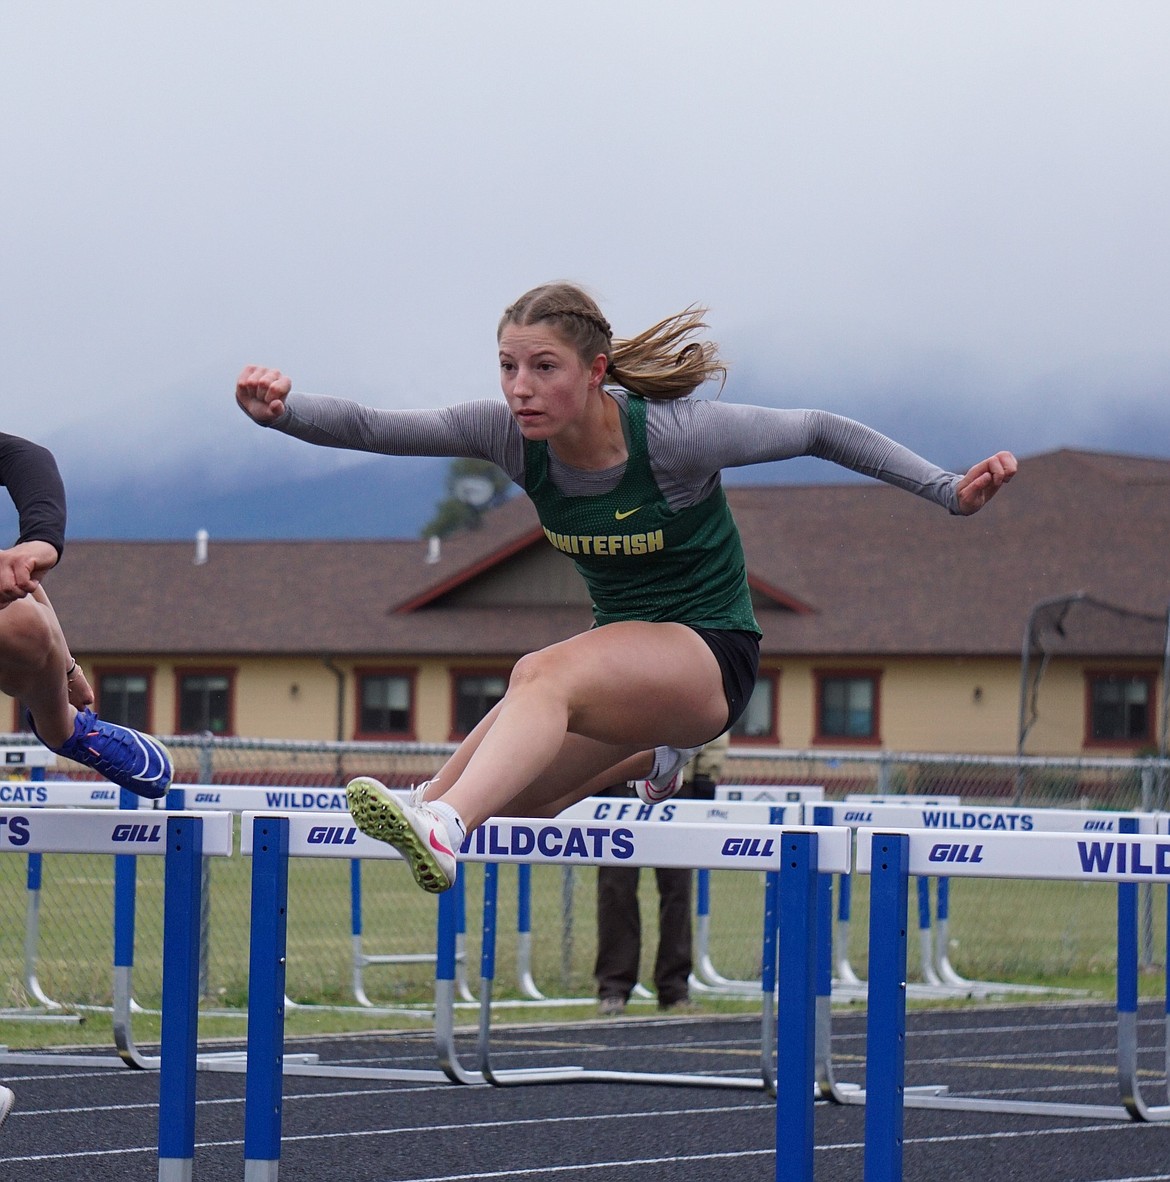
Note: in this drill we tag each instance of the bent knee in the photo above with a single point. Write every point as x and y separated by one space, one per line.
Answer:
538 668
26 628
27 634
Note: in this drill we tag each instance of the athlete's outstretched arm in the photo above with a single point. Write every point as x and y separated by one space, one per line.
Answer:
482 430
260 393
984 480
713 435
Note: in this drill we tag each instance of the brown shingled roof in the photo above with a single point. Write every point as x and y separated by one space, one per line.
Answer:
879 571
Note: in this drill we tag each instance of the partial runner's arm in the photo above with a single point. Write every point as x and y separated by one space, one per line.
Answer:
30 474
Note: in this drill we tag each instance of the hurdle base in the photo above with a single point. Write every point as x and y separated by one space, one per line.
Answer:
175 1169
238 1060
51 1058
1018 1107
851 1093
258 1170
41 1016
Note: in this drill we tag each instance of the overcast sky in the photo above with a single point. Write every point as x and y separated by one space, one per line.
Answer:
946 219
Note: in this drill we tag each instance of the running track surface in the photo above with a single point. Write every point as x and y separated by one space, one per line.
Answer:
96 1124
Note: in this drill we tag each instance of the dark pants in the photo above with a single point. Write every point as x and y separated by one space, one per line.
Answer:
619 920
619 933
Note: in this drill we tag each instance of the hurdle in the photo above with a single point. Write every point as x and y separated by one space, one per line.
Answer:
182 839
1123 856
972 823
705 978
251 798
81 831
941 979
676 846
69 794
848 983
37 792
267 1001
241 798
797 856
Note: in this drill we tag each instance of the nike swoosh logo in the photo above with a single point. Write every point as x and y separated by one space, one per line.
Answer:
438 845
618 515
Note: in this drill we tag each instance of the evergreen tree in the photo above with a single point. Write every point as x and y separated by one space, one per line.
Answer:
473 486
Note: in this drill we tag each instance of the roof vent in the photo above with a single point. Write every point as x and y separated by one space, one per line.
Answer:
434 549
201 537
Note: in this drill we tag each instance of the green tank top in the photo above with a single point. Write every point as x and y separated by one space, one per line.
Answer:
641 559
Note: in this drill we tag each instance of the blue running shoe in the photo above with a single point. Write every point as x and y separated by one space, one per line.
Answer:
136 762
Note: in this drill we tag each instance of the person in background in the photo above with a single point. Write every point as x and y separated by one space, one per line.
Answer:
619 918
36 667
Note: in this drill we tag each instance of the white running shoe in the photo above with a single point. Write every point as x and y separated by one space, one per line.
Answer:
666 775
418 793
7 1099
651 793
416 831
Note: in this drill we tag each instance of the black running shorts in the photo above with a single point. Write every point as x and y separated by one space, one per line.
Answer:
738 654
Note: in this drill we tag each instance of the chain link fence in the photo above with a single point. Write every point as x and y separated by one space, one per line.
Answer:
998 931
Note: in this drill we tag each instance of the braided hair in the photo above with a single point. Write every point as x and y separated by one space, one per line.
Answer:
661 362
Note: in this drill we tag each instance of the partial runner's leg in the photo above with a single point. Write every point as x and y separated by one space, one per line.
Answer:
33 658
452 769
627 687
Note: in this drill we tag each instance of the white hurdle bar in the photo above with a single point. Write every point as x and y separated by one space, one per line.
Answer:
183 839
59 794
1125 858
797 855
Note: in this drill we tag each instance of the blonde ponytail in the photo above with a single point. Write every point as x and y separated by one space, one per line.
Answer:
662 363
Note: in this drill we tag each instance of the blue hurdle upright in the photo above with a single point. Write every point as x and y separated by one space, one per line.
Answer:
1125 858
182 840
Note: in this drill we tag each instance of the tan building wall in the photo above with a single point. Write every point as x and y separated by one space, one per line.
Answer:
930 705
297 698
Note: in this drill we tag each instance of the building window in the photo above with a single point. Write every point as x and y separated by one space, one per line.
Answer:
1120 708
124 697
758 721
847 707
205 703
385 702
475 694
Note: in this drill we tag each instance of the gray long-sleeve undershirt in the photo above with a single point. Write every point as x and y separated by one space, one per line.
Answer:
690 440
